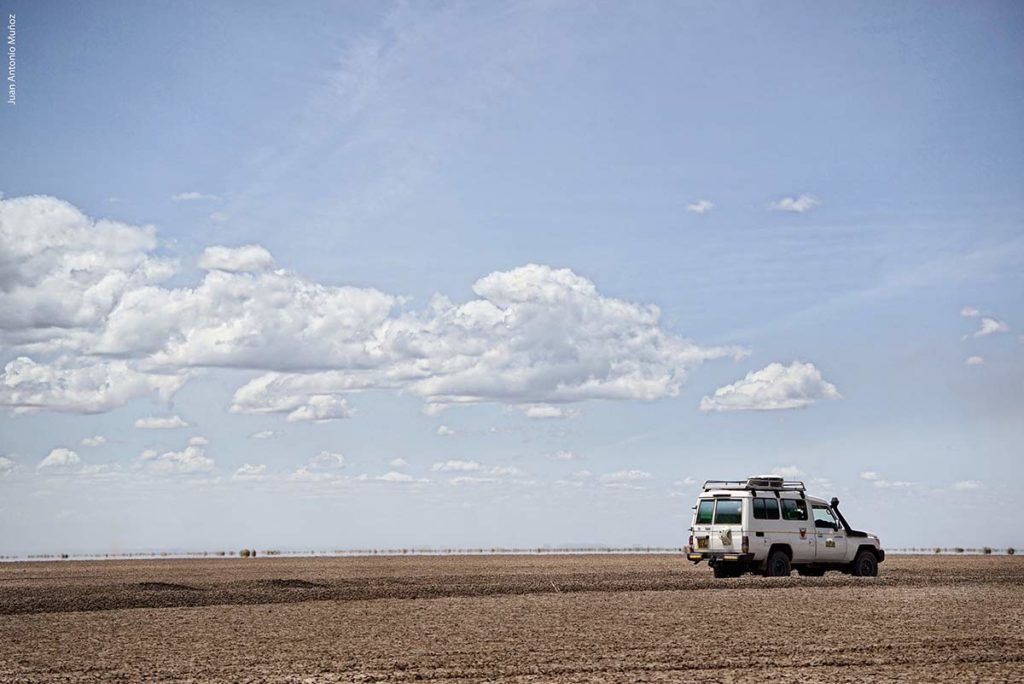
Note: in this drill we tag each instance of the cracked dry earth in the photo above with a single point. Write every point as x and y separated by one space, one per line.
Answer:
580 618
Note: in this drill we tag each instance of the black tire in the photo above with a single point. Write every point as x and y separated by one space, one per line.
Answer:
810 572
865 564
778 565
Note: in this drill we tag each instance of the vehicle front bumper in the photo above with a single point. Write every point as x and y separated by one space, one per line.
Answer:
723 556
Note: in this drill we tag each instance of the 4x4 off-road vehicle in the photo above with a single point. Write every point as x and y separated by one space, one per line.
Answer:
767 525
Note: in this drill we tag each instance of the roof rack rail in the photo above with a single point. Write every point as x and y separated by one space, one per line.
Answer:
755 483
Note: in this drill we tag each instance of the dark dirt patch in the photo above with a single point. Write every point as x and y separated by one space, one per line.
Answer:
165 586
295 584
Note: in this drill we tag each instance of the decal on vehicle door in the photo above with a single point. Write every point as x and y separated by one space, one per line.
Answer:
830 543
803 532
726 537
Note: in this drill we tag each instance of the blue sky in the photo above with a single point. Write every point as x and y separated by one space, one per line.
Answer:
506 273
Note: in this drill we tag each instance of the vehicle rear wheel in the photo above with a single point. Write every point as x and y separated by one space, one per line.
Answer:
778 565
810 572
865 564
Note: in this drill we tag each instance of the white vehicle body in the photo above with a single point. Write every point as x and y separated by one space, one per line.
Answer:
768 525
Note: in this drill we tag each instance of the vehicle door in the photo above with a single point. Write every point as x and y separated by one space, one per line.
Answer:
830 537
726 535
799 529
766 527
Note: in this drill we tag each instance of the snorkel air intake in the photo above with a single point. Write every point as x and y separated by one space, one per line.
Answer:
850 532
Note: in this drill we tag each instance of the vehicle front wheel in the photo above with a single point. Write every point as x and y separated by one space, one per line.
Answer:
865 564
778 565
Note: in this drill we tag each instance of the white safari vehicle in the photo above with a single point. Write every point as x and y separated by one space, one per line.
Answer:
767 525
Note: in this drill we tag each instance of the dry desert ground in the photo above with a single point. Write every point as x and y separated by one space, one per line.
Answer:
542 618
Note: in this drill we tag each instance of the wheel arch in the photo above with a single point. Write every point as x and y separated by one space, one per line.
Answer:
867 547
780 547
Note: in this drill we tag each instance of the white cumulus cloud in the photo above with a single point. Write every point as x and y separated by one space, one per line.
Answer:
393 476
96 441
445 431
244 259
456 466
975 360
327 460
787 471
535 336
60 458
250 471
773 387
799 204
61 272
322 408
80 385
83 300
967 485
191 459
160 422
625 476
543 411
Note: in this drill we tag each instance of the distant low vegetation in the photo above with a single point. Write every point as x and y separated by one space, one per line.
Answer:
494 550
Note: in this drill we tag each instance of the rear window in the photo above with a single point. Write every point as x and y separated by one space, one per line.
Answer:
728 512
704 512
766 509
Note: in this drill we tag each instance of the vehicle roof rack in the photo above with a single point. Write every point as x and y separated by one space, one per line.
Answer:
760 482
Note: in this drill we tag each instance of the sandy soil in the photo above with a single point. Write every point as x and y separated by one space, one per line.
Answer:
509 618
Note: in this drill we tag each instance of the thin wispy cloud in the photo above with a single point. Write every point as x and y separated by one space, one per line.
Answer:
193 196
991 326
700 207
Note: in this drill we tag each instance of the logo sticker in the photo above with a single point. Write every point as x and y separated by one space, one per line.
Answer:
803 532
830 543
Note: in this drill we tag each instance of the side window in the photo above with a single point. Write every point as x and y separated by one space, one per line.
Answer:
704 512
758 506
728 512
794 509
771 509
823 518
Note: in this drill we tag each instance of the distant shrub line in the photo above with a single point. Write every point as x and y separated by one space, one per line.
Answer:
495 550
